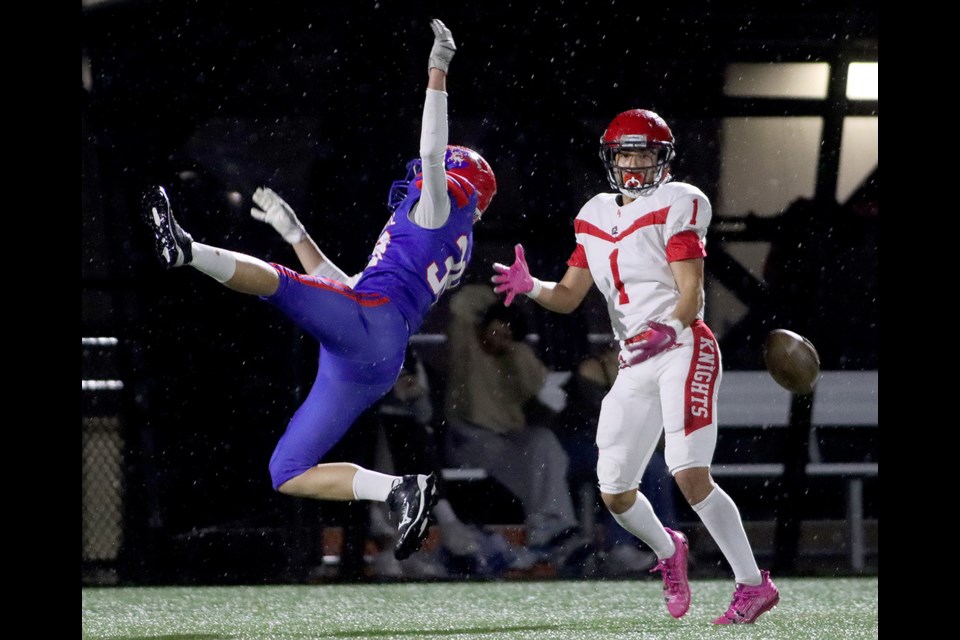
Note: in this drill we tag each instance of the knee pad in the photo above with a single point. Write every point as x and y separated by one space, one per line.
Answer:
608 473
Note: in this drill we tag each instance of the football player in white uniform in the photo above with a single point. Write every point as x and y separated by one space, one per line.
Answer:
644 248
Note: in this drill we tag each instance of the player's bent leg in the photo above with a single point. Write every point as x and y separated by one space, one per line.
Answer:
331 407
337 398
175 248
720 516
695 483
633 512
253 276
618 503
332 481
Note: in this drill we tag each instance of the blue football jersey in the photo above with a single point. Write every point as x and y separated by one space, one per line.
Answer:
413 266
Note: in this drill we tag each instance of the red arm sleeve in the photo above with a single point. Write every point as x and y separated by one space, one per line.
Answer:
685 245
578 258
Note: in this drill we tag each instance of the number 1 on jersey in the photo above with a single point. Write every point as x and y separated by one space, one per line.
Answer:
617 282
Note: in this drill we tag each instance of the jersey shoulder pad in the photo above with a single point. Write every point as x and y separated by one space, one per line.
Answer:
684 189
597 204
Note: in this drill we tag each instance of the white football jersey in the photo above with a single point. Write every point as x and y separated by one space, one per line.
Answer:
628 250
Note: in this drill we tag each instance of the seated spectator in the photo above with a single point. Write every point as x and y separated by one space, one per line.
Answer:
493 377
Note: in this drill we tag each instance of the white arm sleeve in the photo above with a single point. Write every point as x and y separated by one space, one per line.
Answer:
434 207
331 271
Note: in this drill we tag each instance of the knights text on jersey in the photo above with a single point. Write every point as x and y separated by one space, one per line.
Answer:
628 250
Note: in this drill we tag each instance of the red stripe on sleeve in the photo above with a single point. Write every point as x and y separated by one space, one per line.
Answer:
685 245
578 258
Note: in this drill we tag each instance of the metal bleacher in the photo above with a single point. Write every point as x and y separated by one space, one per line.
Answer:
754 411
842 400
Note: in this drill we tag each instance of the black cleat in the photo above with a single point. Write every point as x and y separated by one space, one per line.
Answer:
410 502
174 246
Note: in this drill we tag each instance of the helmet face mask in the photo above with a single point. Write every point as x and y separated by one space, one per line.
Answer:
398 190
636 151
464 163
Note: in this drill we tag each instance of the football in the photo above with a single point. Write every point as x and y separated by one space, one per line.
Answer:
792 361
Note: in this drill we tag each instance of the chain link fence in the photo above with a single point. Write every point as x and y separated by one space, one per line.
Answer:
101 462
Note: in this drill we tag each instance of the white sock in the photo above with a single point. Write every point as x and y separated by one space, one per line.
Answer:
219 264
722 518
444 512
372 485
641 521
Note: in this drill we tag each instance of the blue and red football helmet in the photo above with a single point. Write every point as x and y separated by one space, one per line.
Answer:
462 162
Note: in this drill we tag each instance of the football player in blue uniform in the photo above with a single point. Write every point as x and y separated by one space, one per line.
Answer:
363 322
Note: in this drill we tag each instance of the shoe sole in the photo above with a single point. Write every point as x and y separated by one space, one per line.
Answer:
412 539
164 243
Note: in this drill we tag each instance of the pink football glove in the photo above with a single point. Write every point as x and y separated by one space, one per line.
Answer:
656 339
515 279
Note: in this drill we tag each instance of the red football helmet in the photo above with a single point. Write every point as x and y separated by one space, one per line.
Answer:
463 162
469 165
633 131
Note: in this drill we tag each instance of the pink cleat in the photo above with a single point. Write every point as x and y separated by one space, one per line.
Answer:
751 601
676 589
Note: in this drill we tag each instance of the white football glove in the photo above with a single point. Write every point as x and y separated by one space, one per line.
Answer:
278 214
443 47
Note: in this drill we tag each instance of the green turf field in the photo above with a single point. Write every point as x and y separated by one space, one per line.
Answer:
843 608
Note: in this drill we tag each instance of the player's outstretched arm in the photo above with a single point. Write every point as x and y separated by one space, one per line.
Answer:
272 210
443 47
562 297
434 207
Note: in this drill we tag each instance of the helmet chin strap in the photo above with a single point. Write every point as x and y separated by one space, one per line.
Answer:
636 193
